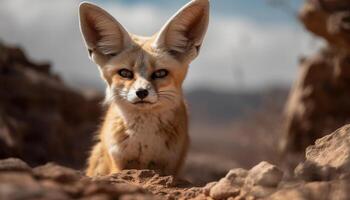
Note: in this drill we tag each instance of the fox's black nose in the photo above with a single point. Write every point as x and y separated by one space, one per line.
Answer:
142 93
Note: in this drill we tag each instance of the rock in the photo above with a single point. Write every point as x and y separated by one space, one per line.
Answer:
208 187
332 150
167 187
328 20
264 174
53 181
237 176
338 190
261 181
114 190
13 164
328 158
310 171
57 173
318 103
19 185
139 197
229 186
224 189
335 5
41 119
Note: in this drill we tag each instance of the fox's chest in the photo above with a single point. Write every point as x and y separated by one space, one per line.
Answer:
149 146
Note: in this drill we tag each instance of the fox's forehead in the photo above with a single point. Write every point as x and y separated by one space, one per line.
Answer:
144 55
144 62
141 56
143 41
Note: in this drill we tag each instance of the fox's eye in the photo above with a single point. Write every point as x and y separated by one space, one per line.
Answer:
112 54
125 73
162 73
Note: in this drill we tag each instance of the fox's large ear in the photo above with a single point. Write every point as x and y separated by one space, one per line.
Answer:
183 34
102 33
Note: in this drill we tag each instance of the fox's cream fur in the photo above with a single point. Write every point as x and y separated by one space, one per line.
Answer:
146 124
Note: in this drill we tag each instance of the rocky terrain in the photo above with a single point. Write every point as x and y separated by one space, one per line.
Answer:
325 174
43 120
46 130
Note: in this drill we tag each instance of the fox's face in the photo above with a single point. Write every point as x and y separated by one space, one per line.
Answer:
144 72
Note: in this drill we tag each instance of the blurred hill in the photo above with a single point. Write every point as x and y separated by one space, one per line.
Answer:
214 106
232 129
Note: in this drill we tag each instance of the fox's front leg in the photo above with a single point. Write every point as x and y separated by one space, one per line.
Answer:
100 162
116 158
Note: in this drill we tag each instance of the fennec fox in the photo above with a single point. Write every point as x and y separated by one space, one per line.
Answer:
146 125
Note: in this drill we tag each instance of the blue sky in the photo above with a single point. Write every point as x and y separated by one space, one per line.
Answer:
264 11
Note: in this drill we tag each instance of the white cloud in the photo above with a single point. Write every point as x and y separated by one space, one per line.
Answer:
236 51
239 52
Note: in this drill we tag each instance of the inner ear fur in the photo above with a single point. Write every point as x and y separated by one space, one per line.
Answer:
183 34
101 31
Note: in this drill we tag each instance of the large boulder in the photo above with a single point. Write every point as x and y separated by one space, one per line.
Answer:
319 100
325 172
318 103
41 119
